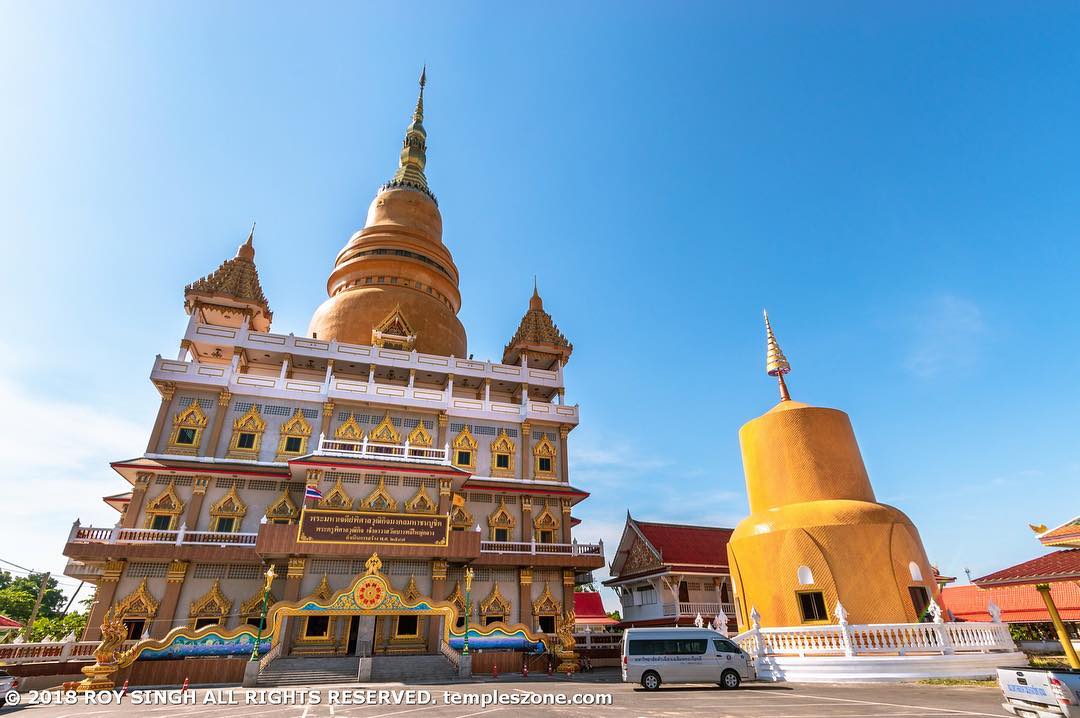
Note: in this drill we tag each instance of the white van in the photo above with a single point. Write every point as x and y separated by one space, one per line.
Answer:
652 656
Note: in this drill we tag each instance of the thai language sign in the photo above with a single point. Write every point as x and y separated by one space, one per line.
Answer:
328 526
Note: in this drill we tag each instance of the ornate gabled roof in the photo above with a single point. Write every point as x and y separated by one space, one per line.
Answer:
537 336
236 280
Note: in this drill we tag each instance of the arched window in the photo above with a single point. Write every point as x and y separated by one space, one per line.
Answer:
805 576
916 572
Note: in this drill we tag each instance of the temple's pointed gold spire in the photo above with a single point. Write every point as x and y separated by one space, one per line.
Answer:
247 249
776 364
410 173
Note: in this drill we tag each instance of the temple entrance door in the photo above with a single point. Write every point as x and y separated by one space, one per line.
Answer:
354 630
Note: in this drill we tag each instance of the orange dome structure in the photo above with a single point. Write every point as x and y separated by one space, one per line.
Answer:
395 283
816 534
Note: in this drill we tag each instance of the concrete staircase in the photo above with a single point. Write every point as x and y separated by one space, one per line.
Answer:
301 671
412 669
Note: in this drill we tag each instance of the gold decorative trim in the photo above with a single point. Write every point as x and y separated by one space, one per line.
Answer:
461 518
544 449
212 604
545 604
283 507
421 503
464 441
438 569
167 503
229 506
140 603
296 567
350 430
420 436
495 604
501 518
252 606
337 499
250 423
503 445
379 500
297 427
191 418
322 592
177 572
385 432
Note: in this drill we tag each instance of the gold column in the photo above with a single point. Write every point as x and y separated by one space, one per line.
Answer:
526 450
103 598
207 448
294 574
564 462
567 590
138 495
327 415
1059 626
438 593
174 581
565 520
444 496
194 507
444 420
525 616
167 390
526 518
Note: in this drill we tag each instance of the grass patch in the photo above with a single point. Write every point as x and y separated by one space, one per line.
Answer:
1048 661
958 682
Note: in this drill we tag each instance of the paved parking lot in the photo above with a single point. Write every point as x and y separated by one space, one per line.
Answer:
750 701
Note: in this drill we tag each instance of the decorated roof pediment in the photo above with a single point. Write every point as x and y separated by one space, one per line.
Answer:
167 502
229 505
337 498
283 507
464 439
503 444
254 603
250 421
323 592
501 517
138 603
545 603
421 503
297 425
496 604
640 557
212 603
420 436
350 430
460 516
546 520
379 499
544 447
385 432
193 416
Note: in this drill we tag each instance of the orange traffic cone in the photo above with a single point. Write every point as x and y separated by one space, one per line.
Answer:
184 687
123 689
494 670
525 669
551 669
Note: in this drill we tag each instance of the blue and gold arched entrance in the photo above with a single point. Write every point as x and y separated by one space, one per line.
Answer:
328 623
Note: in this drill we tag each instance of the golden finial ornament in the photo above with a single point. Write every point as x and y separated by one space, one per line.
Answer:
776 364
413 159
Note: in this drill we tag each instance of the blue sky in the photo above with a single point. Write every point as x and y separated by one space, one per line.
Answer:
898 184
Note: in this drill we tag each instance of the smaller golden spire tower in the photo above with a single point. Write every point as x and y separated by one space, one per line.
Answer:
776 364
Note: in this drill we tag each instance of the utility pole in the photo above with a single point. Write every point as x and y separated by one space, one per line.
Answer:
37 605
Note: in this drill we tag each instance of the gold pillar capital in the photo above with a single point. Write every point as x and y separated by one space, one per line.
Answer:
177 572
526 576
167 390
110 573
443 419
296 567
199 484
143 479
328 408
564 431
438 570
224 397
568 577
444 487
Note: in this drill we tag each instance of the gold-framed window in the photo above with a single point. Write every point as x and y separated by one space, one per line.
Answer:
501 523
164 510
544 455
463 449
294 435
502 455
187 430
227 513
247 435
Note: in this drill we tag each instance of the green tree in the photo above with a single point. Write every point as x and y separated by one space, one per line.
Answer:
58 627
18 594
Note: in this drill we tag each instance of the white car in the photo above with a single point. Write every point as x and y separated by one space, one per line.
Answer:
652 656
8 682
1040 692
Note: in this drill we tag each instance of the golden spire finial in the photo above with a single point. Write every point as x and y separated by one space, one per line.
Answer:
413 157
535 302
247 249
776 364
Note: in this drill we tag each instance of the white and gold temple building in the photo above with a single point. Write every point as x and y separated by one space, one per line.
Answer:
380 407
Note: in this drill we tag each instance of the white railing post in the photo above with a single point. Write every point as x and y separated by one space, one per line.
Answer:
845 630
114 535
755 631
74 530
939 626
180 534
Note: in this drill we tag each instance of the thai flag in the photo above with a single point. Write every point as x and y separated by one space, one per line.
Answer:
312 492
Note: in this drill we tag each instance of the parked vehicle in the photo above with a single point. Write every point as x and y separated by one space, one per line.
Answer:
1040 692
652 656
8 682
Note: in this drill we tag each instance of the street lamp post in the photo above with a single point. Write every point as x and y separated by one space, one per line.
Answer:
262 619
468 608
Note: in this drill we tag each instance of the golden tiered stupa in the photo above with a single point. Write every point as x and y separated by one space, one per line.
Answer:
816 535
395 283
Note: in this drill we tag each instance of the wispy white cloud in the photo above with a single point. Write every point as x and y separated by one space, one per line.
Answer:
947 335
56 455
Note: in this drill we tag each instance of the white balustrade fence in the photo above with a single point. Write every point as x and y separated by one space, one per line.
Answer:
115 534
50 652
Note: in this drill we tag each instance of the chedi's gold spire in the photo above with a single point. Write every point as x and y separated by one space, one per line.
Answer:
776 364
413 159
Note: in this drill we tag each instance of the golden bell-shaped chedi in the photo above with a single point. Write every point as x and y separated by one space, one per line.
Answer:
395 283
816 534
